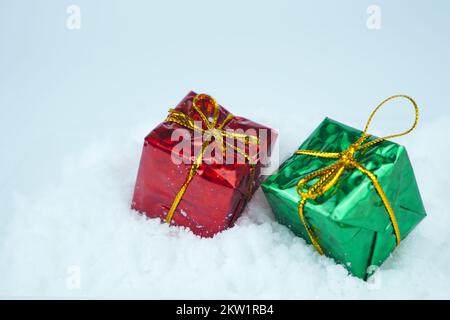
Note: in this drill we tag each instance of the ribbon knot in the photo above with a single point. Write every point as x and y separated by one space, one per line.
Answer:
217 134
330 175
348 157
213 129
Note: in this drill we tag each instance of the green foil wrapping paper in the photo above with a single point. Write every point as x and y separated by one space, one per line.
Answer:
350 220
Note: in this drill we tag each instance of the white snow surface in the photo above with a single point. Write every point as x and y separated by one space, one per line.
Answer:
75 106
83 222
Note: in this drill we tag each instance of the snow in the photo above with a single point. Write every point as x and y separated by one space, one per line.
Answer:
82 226
75 106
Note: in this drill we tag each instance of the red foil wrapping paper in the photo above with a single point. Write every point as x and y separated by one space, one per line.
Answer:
218 192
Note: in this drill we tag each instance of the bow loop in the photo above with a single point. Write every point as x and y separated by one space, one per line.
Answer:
180 118
207 108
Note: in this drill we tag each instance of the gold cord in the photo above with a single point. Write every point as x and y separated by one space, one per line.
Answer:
213 130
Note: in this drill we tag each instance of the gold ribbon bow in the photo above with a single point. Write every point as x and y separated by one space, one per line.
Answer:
213 129
329 176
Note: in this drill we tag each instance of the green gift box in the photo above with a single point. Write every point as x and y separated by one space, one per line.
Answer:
337 195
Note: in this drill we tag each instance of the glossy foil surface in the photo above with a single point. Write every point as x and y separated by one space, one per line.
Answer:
218 192
350 221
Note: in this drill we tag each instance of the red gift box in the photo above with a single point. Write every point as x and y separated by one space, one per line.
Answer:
209 189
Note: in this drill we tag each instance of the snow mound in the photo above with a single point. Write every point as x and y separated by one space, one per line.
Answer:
78 238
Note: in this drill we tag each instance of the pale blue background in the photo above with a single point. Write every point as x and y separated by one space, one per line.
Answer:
131 60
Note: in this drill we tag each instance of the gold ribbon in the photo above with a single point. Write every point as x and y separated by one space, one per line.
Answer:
213 129
329 176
